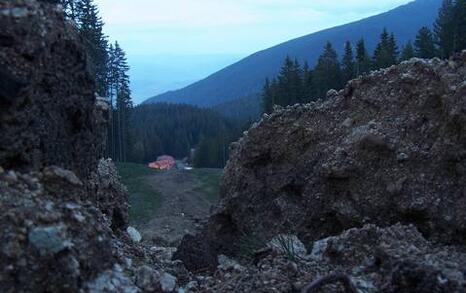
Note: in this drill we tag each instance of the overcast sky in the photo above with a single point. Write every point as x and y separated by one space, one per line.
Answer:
213 29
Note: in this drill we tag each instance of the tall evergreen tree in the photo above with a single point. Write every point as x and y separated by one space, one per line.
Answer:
120 98
386 52
267 97
289 87
327 73
380 53
111 80
110 69
307 83
424 44
393 50
91 28
460 25
70 8
363 60
348 65
444 28
407 52
298 83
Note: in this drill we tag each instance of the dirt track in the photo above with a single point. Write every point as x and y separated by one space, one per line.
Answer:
184 204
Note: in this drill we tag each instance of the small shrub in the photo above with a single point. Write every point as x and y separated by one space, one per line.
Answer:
249 244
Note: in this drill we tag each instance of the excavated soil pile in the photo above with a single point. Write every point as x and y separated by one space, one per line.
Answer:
364 191
389 149
63 210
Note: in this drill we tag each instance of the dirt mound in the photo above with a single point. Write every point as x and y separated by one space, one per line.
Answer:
47 102
389 148
63 213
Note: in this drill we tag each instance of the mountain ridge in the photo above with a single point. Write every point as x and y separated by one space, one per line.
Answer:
246 77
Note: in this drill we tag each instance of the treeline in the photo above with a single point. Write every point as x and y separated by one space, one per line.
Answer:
143 133
175 129
298 83
110 68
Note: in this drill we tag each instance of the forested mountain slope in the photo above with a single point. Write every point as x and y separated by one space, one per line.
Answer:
246 77
162 128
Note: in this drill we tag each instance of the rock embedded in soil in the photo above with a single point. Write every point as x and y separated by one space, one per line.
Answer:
373 259
49 240
134 234
62 209
167 282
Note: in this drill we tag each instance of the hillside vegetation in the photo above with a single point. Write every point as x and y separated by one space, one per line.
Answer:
172 129
246 77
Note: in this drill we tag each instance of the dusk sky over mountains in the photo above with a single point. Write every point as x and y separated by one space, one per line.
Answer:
184 41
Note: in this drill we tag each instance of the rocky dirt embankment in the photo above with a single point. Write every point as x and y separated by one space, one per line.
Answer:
363 192
390 148
47 102
63 211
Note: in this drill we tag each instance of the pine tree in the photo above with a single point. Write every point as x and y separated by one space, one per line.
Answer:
289 87
110 69
407 52
298 83
424 44
380 53
327 73
70 8
444 28
386 52
274 92
363 60
119 92
91 28
393 51
111 80
307 83
348 65
460 25
267 98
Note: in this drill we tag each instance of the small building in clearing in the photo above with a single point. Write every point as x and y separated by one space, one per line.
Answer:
163 163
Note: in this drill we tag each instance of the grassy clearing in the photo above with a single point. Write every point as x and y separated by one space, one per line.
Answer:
142 198
209 183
